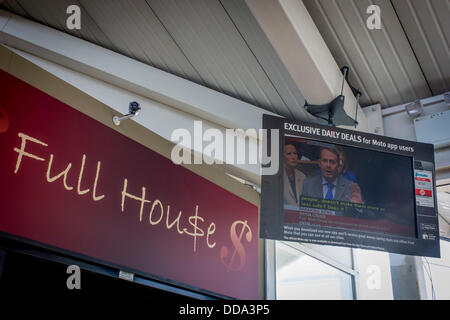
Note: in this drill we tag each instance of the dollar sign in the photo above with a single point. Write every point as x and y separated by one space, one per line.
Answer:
238 247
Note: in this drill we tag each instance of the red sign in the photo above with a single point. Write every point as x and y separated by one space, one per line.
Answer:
73 183
4 121
423 193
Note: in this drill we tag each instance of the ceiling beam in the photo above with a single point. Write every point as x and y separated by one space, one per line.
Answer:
305 54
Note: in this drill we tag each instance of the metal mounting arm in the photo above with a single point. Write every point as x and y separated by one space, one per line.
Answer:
133 110
333 113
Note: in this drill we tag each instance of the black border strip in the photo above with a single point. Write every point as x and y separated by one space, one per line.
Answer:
271 225
60 255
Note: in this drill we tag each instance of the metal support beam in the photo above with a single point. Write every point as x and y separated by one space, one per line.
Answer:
305 54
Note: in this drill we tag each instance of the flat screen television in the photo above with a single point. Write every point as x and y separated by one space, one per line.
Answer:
346 188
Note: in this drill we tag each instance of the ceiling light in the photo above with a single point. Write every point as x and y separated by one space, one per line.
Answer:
414 109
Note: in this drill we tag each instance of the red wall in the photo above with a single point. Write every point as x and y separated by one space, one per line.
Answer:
94 223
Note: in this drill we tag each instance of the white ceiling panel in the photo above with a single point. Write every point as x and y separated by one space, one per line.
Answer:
219 44
136 31
382 63
427 26
53 14
211 41
216 43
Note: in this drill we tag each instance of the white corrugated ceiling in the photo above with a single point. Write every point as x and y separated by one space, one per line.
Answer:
219 44
427 25
407 59
216 43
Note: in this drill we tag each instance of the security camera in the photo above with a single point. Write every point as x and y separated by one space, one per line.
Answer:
134 108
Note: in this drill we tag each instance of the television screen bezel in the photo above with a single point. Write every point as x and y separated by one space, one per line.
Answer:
272 202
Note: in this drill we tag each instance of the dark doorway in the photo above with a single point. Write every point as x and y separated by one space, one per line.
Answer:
31 277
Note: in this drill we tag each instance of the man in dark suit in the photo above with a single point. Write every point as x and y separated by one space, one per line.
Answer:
330 185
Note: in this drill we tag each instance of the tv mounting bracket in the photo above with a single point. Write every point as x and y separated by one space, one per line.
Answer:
334 112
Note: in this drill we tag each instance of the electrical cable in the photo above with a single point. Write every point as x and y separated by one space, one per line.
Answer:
433 293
